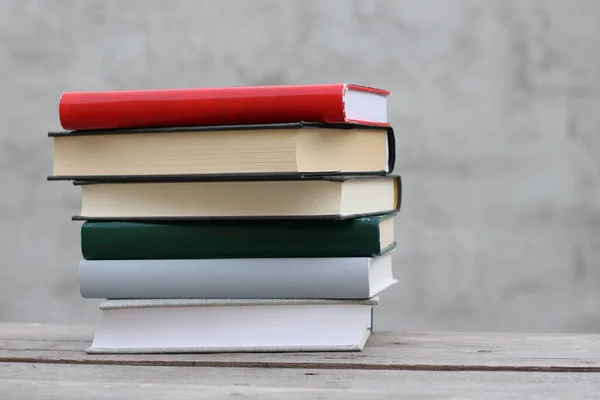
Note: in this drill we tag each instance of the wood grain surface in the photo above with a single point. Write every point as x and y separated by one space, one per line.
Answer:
49 362
34 343
65 382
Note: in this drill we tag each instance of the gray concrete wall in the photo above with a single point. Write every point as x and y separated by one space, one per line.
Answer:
496 105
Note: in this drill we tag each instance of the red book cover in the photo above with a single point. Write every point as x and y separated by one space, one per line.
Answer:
324 103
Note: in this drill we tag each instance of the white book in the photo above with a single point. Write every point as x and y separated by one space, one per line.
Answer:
221 325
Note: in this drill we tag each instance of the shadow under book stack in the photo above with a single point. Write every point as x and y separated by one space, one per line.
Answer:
232 219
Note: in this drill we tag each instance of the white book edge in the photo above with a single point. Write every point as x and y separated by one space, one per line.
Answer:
206 350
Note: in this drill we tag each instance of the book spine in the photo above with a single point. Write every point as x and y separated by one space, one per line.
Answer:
204 106
398 193
272 278
230 239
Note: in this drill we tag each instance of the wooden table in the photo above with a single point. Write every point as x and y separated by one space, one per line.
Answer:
49 362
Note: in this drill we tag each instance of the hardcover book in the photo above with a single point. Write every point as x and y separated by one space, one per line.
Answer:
284 149
327 103
256 278
258 197
209 326
244 238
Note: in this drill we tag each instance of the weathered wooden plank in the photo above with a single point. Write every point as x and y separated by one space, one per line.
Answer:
408 351
29 331
51 381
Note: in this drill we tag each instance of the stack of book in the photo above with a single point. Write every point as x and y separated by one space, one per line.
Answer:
232 219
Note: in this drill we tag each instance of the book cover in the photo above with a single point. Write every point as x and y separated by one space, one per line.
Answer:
165 195
257 325
129 153
327 103
237 278
114 240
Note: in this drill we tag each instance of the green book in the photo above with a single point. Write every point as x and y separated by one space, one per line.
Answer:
360 237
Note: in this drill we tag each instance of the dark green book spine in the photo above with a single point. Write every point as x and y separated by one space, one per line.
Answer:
232 239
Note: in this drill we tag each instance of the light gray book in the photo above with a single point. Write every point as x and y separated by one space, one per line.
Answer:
274 278
221 325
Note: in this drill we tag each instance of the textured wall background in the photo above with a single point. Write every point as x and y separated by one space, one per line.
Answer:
496 105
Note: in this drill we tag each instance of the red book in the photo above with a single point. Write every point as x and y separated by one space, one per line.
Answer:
326 103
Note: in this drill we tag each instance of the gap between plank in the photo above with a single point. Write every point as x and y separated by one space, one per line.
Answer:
304 365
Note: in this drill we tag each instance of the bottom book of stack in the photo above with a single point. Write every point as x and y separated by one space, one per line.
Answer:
235 305
228 325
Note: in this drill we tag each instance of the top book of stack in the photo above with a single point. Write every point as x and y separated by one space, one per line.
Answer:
329 129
